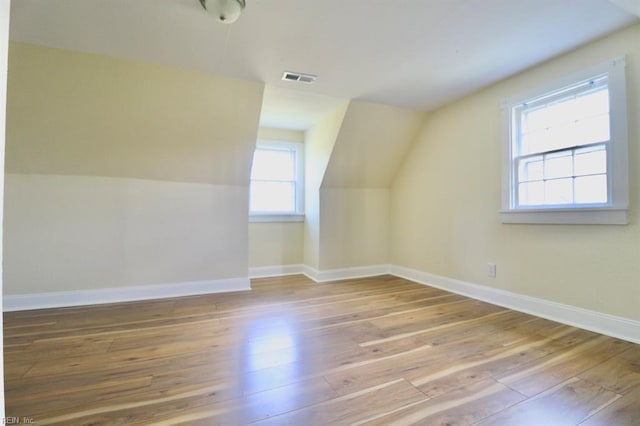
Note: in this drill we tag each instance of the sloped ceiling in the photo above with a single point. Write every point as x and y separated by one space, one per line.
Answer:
408 53
370 145
71 113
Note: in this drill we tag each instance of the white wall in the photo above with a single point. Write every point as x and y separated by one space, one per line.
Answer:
319 142
446 197
354 227
77 232
354 196
276 244
4 41
371 144
124 174
275 134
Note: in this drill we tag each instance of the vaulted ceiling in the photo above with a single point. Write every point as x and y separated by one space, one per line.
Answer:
409 53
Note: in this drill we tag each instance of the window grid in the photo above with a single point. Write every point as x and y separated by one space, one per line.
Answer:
596 156
276 179
525 194
523 179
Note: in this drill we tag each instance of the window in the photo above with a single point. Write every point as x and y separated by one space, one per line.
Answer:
277 182
565 157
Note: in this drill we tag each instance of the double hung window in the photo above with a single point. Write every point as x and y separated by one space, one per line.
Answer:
277 184
565 160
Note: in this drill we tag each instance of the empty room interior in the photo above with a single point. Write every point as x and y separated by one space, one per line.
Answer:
299 212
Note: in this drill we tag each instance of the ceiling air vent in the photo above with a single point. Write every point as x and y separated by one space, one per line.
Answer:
299 77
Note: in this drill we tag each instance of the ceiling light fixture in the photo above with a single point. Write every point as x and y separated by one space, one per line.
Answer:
225 11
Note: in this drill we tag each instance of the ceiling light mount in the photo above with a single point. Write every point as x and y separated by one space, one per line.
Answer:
225 11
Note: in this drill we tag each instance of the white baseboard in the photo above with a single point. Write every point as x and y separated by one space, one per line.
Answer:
275 271
598 322
610 325
59 299
345 273
316 275
310 272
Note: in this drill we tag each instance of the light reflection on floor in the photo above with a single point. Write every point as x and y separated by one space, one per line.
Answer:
269 355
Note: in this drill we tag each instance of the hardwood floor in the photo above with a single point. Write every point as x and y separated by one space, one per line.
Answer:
375 351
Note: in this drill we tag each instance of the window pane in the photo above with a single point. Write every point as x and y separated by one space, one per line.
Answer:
531 194
565 150
534 142
579 119
591 129
591 161
272 196
558 165
567 110
531 169
273 164
594 103
591 189
559 191
555 184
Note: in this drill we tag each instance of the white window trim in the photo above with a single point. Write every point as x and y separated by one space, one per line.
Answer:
615 213
275 218
298 215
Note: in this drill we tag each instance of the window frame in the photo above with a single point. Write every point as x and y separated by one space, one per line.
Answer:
615 211
298 214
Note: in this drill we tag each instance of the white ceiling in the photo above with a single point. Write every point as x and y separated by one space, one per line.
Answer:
411 53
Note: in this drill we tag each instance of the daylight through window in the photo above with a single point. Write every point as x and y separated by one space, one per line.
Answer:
276 179
567 150
560 157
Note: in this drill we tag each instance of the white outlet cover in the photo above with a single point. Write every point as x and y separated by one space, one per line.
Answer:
491 270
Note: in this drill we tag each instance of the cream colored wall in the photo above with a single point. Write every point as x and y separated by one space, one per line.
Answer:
122 173
276 243
355 227
446 197
77 232
354 195
91 115
272 133
371 144
5 7
319 142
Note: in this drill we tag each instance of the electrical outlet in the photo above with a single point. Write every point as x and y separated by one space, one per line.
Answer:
491 270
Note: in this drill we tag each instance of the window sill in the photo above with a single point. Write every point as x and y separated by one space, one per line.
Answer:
274 218
611 216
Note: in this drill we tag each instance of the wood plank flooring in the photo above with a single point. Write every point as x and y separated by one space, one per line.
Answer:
376 351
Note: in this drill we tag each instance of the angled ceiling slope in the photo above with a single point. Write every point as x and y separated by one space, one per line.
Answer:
415 54
371 145
70 113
